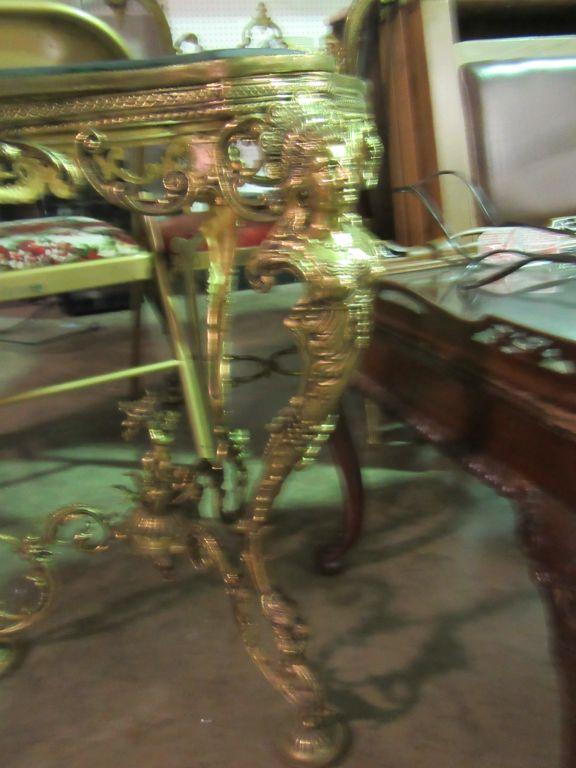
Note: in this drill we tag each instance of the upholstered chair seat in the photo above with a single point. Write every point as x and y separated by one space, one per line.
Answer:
61 240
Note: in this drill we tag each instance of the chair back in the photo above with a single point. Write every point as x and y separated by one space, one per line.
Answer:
521 129
42 34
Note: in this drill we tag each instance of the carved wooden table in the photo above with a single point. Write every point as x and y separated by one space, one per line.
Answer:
155 136
491 379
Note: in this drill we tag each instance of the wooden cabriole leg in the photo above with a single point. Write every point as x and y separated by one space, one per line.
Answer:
548 535
330 557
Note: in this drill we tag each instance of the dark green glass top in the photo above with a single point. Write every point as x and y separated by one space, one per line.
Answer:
135 64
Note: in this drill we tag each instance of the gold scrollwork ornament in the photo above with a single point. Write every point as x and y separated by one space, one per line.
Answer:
314 158
321 241
107 171
29 171
37 552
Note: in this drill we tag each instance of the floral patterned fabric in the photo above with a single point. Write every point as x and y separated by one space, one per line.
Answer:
61 240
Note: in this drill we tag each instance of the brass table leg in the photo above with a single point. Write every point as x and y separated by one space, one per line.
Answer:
219 231
323 246
319 737
327 331
315 155
220 234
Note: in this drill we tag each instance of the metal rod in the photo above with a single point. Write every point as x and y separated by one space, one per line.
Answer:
198 408
90 381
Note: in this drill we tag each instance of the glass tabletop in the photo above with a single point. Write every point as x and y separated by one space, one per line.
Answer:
544 301
184 70
163 61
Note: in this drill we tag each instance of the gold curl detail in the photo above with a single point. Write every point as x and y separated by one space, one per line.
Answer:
232 175
14 622
36 552
104 171
29 171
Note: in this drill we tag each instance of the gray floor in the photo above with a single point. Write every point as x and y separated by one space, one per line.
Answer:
433 642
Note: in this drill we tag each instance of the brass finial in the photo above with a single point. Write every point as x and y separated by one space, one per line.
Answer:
262 32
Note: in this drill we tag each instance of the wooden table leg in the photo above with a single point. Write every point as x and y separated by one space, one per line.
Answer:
330 557
548 533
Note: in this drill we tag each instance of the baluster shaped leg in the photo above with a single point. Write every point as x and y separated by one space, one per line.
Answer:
548 534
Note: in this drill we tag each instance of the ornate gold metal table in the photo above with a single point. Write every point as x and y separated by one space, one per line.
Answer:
280 138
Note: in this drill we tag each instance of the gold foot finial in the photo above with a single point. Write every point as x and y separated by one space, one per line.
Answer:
312 745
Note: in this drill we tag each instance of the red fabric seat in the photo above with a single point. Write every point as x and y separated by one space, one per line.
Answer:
60 240
249 234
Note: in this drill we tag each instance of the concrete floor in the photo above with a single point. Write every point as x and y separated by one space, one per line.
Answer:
433 642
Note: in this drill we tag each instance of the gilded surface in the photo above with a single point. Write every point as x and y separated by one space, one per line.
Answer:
321 161
320 241
294 151
262 32
105 169
61 527
248 94
165 77
29 172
